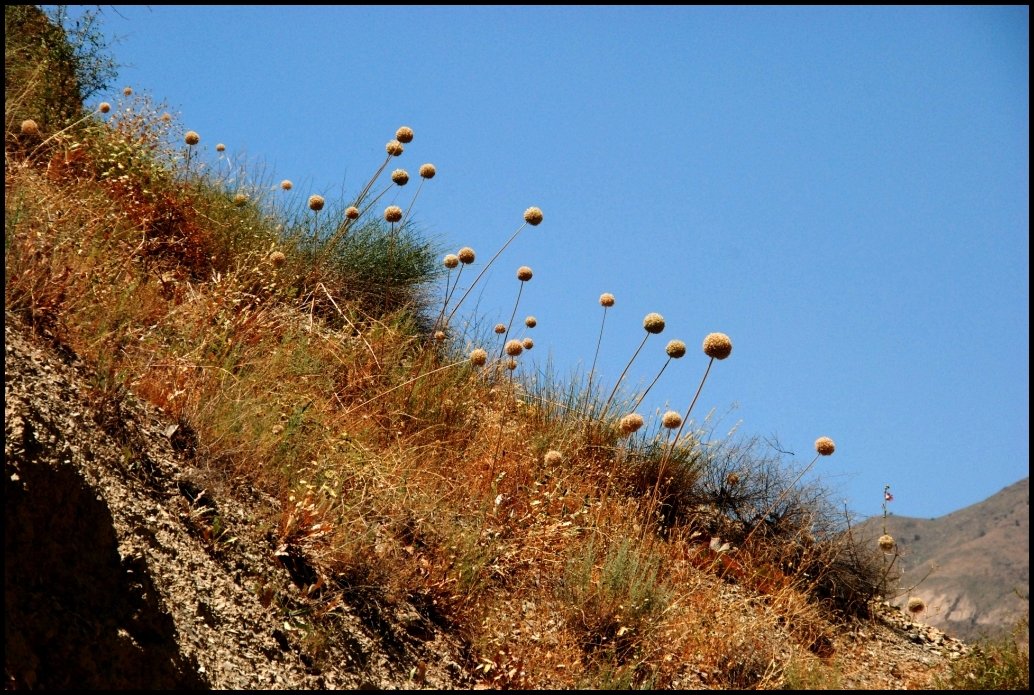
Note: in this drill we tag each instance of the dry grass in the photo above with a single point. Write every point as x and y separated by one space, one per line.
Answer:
295 352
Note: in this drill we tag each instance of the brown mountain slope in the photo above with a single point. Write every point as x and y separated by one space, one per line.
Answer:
971 567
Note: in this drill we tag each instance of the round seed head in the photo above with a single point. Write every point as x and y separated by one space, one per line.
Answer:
128 91
653 323
104 107
393 213
394 148
675 349
240 200
524 273
451 260
316 203
886 542
916 605
478 357
352 212
531 322
514 348
286 184
717 345
630 423
427 171
439 336
404 134
220 147
166 118
400 176
191 138
277 258
528 343
732 480
533 216
30 127
553 458
511 364
499 328
466 255
671 419
607 299
825 446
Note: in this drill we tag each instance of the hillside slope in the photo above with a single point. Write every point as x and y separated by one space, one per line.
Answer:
971 567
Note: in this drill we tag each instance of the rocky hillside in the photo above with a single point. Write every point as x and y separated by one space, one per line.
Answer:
128 567
971 567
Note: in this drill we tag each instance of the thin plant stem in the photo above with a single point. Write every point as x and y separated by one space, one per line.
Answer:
592 370
481 274
413 202
512 315
651 384
404 383
620 378
779 499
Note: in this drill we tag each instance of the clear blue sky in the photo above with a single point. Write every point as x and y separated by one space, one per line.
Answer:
843 191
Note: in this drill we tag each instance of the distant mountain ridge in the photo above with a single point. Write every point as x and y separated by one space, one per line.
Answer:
971 567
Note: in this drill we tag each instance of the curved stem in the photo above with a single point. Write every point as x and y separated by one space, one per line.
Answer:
620 378
487 265
592 370
510 323
651 384
779 499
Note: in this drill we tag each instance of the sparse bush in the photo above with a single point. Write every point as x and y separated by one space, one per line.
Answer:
994 664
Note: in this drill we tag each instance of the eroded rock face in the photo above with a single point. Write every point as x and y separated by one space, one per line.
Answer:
110 579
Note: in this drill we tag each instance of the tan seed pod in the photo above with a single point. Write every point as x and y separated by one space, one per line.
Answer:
886 542
220 147
531 322
191 138
825 446
393 213
524 273
394 148
630 423
128 91
675 349
607 299
240 200
30 127
466 255
316 203
671 419
533 216
553 458
478 357
717 345
166 118
732 480
400 177
500 328
352 212
451 260
286 184
404 134
427 171
653 323
277 258
916 605
439 336
104 107
528 343
511 364
514 348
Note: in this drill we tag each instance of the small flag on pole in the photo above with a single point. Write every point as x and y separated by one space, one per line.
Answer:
887 496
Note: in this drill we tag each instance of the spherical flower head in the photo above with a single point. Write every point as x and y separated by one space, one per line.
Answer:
166 118
671 419
394 148
886 542
653 323
240 200
675 349
439 336
825 446
393 213
478 357
316 203
128 91
352 212
500 328
511 364
404 134
553 458
630 423
286 184
717 346
514 348
916 605
451 260
466 255
524 273
400 177
533 216
191 138
528 343
277 258
427 171
531 322
30 127
607 300
220 147
104 107
732 480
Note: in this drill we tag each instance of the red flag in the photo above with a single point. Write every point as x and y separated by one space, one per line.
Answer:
887 496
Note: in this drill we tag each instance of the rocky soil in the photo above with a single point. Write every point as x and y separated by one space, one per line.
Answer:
118 576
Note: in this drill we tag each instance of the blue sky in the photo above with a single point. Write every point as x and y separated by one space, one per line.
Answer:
843 191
